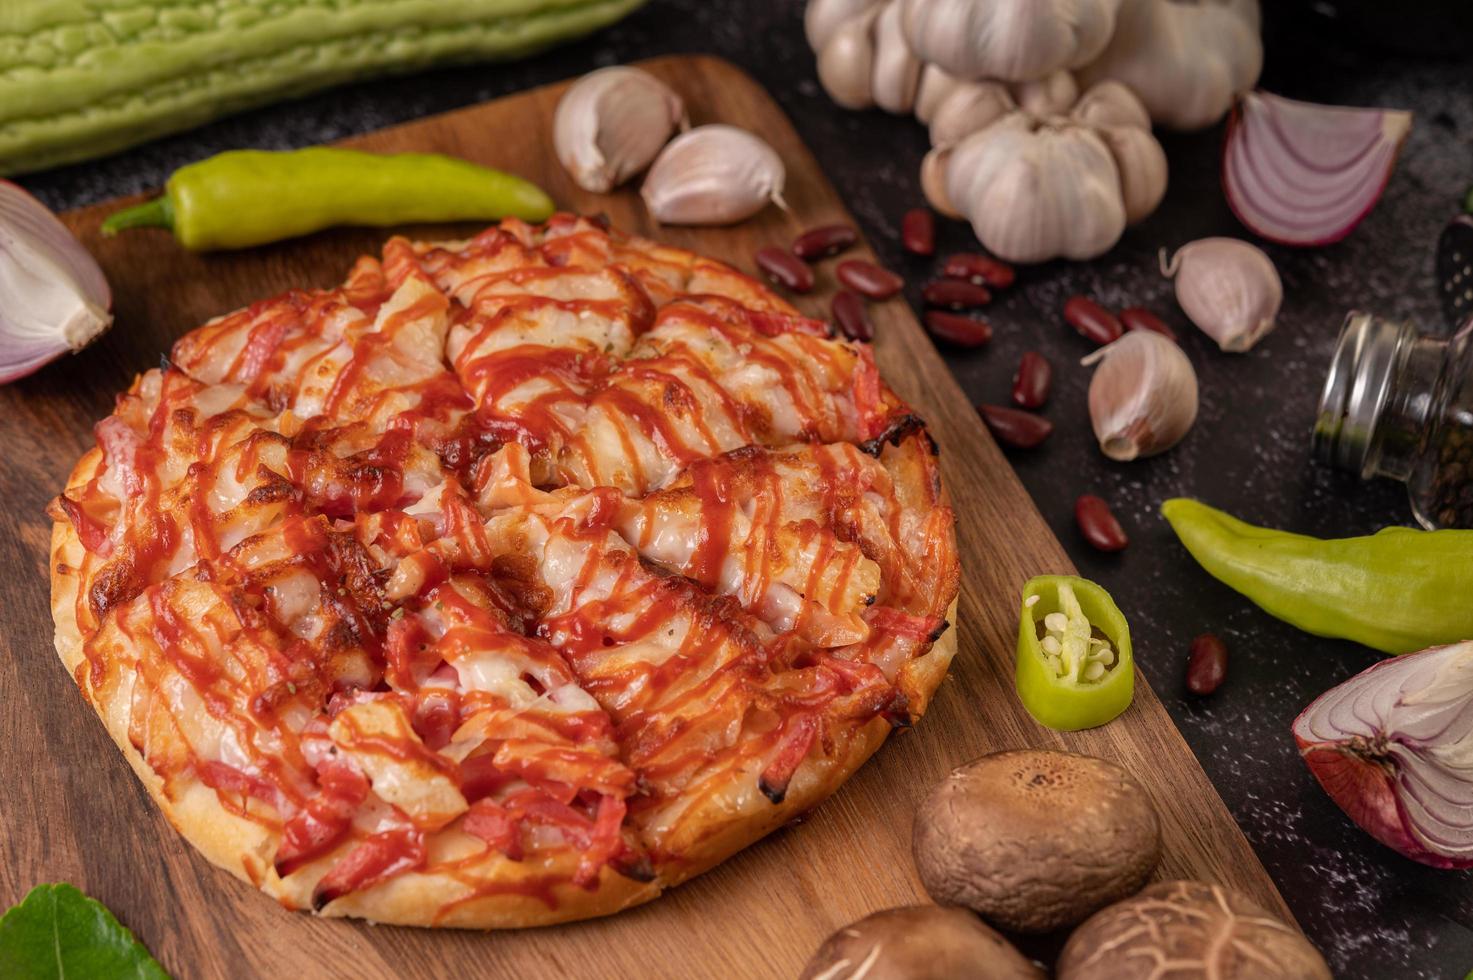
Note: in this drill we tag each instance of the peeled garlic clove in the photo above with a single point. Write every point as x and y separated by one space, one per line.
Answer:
610 124
967 109
713 175
897 72
935 85
846 63
1051 95
1143 396
1228 288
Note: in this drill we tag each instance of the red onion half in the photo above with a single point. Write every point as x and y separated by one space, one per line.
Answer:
1393 746
53 296
1297 173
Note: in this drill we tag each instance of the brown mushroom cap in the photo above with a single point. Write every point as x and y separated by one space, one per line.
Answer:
1210 930
919 942
1034 840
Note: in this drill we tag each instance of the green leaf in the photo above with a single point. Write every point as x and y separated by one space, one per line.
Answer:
57 933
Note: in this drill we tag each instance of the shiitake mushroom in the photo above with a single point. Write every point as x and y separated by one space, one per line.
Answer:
1034 840
919 942
1202 929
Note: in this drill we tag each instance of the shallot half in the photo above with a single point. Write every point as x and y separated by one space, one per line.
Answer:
1391 747
53 296
1304 174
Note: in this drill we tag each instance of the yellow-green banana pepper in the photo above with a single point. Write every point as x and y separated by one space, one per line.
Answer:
249 197
1075 668
1398 591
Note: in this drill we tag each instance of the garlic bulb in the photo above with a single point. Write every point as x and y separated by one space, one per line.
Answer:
1228 288
610 124
1186 61
1014 40
1037 188
1143 396
713 175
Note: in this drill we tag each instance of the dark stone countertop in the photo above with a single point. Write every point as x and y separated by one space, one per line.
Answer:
1374 914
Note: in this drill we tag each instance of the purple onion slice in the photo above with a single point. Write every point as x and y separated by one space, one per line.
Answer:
1298 173
1393 746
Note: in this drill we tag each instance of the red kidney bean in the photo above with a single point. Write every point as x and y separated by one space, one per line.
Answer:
1092 320
1032 382
820 243
963 331
785 268
1020 430
868 279
918 231
979 269
1206 664
851 316
1140 318
955 294
1098 524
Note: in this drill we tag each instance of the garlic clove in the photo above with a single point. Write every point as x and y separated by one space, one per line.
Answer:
968 108
897 72
935 85
1143 396
1111 104
933 182
846 64
1228 288
611 123
1035 190
713 175
1142 165
1052 95
823 18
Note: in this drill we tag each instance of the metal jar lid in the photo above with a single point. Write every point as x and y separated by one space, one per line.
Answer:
1362 372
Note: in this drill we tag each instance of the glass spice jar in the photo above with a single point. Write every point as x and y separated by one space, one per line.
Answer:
1399 403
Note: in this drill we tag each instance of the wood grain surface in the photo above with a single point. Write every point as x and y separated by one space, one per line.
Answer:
74 812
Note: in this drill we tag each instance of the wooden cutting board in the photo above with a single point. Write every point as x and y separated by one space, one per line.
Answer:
74 812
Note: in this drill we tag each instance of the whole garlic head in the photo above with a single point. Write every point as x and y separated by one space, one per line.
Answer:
1186 59
1143 396
610 124
1037 188
1013 40
713 175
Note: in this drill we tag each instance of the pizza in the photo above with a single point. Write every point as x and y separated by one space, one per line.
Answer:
510 582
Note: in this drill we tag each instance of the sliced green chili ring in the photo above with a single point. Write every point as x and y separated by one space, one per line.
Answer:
1063 697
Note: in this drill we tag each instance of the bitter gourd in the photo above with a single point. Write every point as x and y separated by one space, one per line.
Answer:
82 78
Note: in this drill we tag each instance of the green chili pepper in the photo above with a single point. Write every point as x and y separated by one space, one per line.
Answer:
1075 668
249 197
1398 591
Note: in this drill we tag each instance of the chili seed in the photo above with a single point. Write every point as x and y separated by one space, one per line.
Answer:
1140 318
963 331
851 316
1020 430
868 279
918 231
785 268
1032 382
1098 524
820 243
1206 664
981 269
955 294
1092 320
